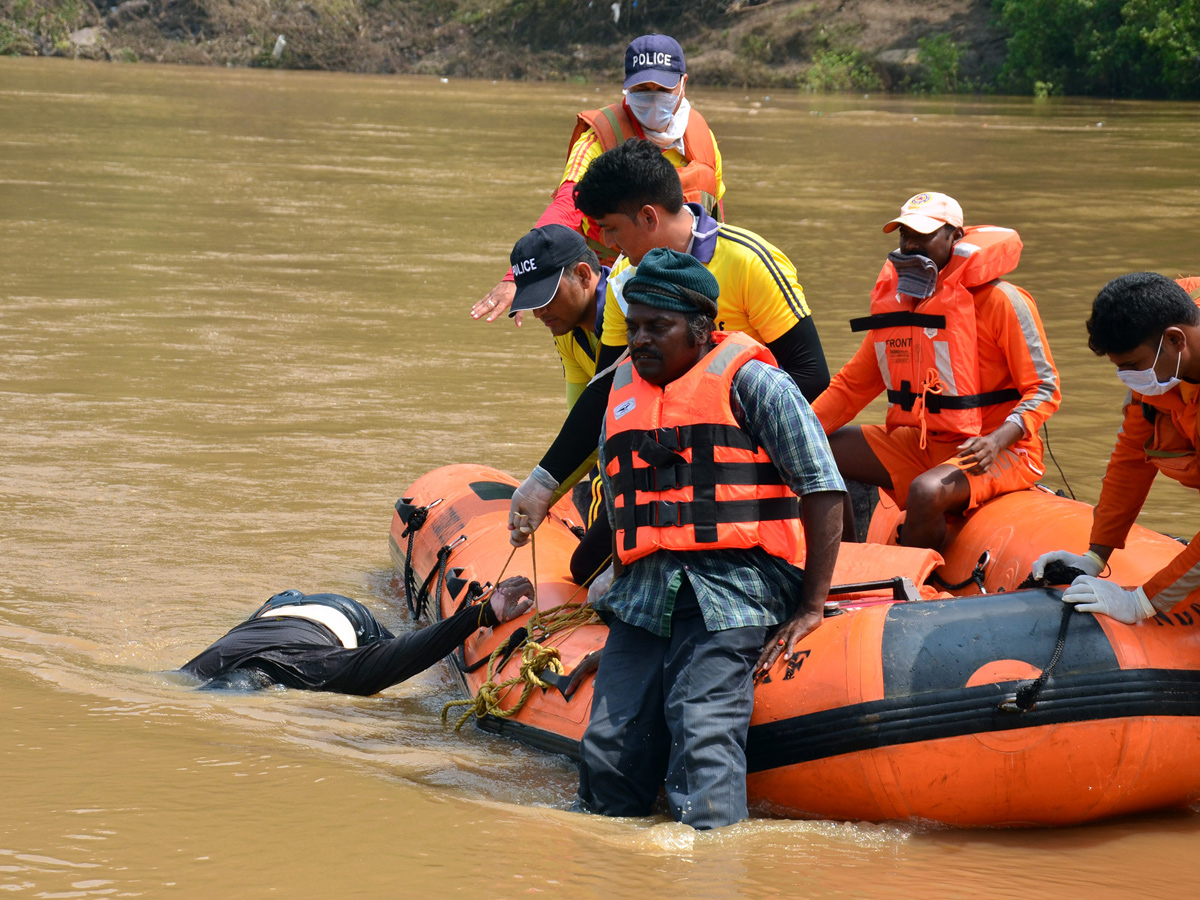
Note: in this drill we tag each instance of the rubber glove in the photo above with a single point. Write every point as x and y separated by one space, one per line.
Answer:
530 504
600 584
511 598
1095 595
1090 563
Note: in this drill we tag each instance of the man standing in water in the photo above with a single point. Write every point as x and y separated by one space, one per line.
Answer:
327 642
654 108
704 551
1149 328
964 360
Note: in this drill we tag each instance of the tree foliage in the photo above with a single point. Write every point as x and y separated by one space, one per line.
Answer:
1117 48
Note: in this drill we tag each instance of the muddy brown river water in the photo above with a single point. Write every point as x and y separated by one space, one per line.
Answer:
234 328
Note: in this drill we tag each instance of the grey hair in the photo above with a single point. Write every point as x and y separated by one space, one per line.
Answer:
700 328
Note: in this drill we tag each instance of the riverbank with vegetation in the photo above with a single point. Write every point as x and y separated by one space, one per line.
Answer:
1116 48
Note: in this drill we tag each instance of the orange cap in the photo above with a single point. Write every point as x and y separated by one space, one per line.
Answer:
927 212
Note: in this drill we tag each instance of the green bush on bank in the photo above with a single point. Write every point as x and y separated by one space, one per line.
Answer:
1116 48
40 26
842 70
939 57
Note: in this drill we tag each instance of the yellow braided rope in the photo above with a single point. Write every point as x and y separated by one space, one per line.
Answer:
534 660
561 620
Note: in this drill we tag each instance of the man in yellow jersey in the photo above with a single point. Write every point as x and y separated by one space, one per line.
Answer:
636 198
560 281
654 107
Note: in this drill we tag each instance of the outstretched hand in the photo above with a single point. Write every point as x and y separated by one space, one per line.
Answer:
496 303
512 597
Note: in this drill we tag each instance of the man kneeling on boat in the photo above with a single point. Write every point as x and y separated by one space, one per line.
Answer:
964 360
327 642
1149 328
705 446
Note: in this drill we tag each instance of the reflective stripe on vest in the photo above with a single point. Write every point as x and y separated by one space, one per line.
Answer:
333 619
685 474
927 350
614 125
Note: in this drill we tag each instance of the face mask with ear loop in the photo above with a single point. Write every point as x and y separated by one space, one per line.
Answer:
655 111
916 275
1145 382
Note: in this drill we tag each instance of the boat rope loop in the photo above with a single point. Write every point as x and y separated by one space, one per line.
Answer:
1027 695
417 516
414 524
536 656
435 579
976 576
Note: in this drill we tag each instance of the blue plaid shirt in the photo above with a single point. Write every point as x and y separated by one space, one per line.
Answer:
735 588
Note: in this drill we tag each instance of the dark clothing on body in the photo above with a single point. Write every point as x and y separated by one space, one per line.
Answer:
302 654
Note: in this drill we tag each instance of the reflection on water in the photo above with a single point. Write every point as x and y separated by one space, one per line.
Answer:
234 329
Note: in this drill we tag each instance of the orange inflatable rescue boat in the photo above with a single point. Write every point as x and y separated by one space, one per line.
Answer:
998 707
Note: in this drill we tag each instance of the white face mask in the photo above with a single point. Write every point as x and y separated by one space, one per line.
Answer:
1145 382
653 109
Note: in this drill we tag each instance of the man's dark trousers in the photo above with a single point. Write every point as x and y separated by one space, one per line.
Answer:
674 709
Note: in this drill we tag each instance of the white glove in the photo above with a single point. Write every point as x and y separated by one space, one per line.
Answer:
600 584
1095 595
1089 564
530 504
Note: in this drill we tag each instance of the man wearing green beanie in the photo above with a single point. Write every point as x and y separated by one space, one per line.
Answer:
702 559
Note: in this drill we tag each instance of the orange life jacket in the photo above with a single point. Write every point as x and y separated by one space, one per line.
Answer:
614 125
1172 447
685 474
928 349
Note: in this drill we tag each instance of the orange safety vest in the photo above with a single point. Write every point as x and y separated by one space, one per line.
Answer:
1172 448
928 349
614 125
685 475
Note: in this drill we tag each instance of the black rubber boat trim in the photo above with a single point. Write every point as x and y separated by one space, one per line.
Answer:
973 710
885 723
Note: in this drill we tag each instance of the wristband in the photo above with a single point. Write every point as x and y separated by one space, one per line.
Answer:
487 615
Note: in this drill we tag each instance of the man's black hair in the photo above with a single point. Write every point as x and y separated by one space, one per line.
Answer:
626 178
1136 309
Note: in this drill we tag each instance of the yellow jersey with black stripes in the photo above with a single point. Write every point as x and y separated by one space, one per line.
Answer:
577 353
760 294
578 348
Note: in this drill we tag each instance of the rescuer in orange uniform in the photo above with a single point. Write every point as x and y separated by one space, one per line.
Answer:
655 108
964 360
705 448
1149 328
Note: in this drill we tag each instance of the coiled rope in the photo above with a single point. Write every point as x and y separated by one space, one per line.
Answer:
536 656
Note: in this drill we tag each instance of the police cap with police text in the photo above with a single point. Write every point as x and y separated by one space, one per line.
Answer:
538 260
655 58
